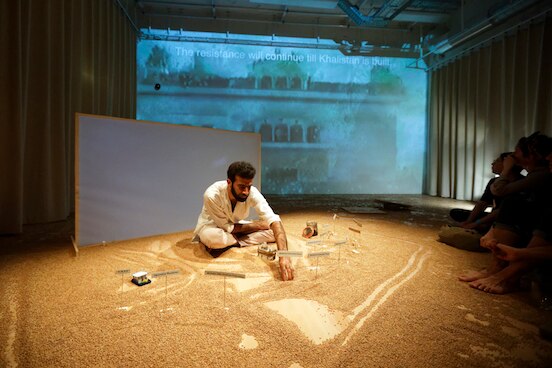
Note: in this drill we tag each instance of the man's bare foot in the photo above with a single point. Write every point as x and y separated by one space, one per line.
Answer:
494 284
495 266
474 275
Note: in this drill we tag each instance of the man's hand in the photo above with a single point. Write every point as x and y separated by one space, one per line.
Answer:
488 242
286 271
505 252
470 226
508 163
466 225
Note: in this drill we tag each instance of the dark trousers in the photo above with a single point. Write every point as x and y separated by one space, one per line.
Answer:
460 215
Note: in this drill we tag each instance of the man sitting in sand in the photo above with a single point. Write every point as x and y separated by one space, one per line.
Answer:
477 218
226 204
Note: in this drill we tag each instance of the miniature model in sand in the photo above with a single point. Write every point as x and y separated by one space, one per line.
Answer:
311 229
140 278
267 251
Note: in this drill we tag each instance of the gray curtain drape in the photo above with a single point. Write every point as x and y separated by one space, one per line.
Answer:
59 57
482 103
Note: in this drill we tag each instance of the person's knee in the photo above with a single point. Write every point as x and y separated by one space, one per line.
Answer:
507 234
256 238
216 238
540 239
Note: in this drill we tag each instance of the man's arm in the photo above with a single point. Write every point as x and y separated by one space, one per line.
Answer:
286 271
484 221
509 182
266 213
508 253
479 207
249 228
279 235
499 187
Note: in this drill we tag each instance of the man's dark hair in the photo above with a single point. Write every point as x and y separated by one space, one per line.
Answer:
539 145
536 144
523 146
242 169
516 168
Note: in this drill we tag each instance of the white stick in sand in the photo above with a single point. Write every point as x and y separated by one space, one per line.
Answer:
339 243
225 274
122 272
356 241
317 255
334 219
290 253
311 243
165 273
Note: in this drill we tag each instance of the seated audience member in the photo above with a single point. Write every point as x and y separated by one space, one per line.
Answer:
524 218
530 154
477 218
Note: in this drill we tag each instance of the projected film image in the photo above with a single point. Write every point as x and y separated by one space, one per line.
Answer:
329 123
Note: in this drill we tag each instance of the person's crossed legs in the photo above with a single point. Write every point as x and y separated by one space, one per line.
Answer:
217 241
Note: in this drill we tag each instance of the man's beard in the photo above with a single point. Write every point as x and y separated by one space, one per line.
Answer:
238 197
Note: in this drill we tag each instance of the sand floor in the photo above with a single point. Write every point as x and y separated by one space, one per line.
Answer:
385 297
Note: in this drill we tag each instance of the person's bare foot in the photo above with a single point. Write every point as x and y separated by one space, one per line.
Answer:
494 284
495 266
474 275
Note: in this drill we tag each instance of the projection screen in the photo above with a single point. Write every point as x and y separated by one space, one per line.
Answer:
330 123
137 178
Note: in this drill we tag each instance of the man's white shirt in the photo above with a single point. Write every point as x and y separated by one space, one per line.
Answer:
217 209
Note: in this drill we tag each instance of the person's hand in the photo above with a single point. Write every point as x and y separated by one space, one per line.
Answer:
286 271
508 163
469 225
505 252
488 242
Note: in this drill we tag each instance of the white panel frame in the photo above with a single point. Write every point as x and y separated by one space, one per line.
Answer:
135 178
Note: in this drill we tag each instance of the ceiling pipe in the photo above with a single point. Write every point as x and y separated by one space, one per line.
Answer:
125 12
222 8
400 9
284 13
378 19
495 15
358 18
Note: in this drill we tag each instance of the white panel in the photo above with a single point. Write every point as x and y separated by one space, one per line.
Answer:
137 179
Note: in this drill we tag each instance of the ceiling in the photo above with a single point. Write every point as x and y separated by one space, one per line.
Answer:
404 28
